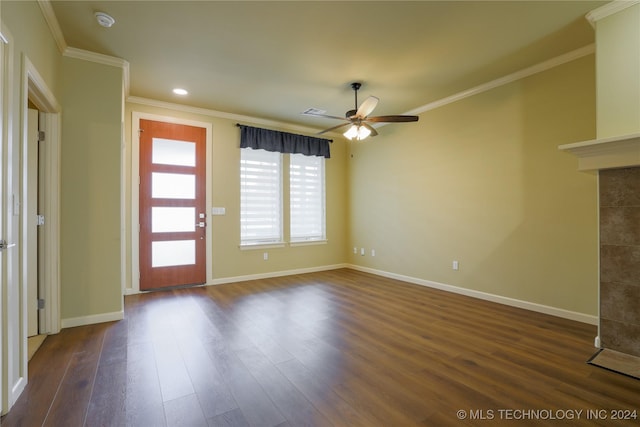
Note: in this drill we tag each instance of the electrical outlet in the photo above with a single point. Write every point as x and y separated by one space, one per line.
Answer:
355 250
373 252
455 265
362 251
265 256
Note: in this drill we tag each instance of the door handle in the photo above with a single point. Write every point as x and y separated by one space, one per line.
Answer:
4 245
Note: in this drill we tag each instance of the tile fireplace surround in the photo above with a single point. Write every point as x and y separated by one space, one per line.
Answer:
619 196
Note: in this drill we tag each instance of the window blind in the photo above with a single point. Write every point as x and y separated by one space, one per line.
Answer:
260 197
307 198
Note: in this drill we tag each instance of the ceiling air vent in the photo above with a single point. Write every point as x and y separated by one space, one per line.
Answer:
314 111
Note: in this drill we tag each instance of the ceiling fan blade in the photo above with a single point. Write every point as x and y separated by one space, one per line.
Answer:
392 119
326 116
374 132
367 107
334 128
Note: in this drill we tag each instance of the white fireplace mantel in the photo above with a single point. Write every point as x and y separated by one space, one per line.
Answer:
606 153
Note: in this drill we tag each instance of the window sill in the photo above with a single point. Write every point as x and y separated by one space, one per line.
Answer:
256 246
252 246
308 242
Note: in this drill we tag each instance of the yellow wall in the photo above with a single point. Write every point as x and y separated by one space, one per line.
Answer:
90 189
229 262
482 181
618 65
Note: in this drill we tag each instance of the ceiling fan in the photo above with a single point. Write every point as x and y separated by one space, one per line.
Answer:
358 119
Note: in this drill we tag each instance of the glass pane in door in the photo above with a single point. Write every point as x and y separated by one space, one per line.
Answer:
173 220
173 252
173 186
172 152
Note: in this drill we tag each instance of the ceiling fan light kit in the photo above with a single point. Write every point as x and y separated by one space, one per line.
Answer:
358 118
357 132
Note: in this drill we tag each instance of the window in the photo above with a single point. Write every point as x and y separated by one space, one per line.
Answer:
260 197
307 197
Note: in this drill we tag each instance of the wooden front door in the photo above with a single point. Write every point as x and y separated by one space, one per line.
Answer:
172 205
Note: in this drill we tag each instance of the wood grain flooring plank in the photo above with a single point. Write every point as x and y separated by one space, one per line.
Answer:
366 399
322 396
174 378
289 400
107 406
212 392
115 343
70 404
184 411
256 406
143 404
233 418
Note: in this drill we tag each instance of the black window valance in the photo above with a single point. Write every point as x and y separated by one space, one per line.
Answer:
283 142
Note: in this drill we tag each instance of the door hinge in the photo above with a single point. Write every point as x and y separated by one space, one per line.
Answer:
40 135
40 220
40 304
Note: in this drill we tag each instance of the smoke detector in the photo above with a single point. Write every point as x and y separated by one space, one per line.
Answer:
104 20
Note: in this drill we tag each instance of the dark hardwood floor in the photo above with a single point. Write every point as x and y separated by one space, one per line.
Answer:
340 348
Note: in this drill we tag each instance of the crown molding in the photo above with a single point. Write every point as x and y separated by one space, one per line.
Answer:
52 22
535 69
85 55
609 9
219 114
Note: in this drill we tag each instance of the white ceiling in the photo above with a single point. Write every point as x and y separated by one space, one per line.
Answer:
273 60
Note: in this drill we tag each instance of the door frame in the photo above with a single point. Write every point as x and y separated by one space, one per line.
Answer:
135 192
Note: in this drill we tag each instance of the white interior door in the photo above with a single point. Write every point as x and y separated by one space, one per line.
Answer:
31 226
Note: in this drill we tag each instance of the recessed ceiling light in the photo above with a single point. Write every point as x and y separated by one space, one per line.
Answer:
179 91
104 19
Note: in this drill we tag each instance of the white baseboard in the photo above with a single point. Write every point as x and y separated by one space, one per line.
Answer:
540 308
270 275
90 320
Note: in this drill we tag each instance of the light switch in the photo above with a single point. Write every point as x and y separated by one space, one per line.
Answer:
218 211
